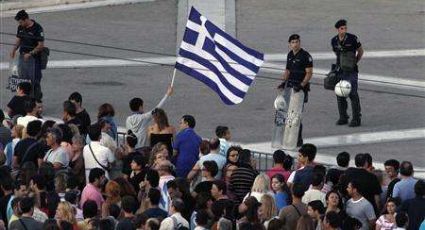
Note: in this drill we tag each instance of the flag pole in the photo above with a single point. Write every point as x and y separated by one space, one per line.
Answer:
172 79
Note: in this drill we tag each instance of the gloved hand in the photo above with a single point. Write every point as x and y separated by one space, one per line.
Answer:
282 85
297 88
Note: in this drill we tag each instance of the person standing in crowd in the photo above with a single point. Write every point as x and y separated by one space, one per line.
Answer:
26 221
360 208
161 130
223 134
31 110
57 155
186 146
243 177
391 169
176 219
96 155
129 207
315 190
405 188
213 155
81 113
139 121
348 51
282 193
69 115
304 174
107 112
92 191
291 213
30 41
16 105
333 174
387 219
298 73
282 165
415 208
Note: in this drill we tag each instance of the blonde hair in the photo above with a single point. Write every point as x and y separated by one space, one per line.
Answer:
269 206
19 130
68 212
261 184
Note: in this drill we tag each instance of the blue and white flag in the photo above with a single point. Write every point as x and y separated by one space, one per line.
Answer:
220 61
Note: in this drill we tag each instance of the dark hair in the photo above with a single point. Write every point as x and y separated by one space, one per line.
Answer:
7 183
76 96
66 133
214 143
50 224
368 158
275 224
220 131
211 167
26 87
251 213
308 150
1 115
245 156
129 204
39 181
95 173
343 159
401 219
233 148
288 162
29 105
317 205
26 204
114 210
360 160
140 160
317 179
285 187
279 156
333 219
70 108
95 132
293 37
154 196
45 127
321 169
178 204
33 128
131 139
71 196
202 200
340 22
202 217
204 147
153 177
420 188
351 223
355 184
393 163
65 225
104 110
406 168
298 190
221 185
89 209
190 120
140 220
340 203
135 104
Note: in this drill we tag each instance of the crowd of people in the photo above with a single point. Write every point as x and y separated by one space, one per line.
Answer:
77 174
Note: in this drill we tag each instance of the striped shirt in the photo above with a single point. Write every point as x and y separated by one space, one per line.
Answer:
241 181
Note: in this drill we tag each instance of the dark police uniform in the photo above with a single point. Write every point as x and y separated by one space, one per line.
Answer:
296 65
31 69
346 49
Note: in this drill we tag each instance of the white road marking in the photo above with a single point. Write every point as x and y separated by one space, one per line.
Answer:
66 7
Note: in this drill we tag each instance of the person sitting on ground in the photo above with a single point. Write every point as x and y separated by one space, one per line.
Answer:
139 121
223 134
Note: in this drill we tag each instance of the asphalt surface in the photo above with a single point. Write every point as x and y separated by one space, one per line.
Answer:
262 25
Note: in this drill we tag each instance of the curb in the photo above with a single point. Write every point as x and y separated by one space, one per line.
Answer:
41 3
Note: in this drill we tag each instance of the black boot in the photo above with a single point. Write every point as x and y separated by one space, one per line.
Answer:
355 106
342 109
355 122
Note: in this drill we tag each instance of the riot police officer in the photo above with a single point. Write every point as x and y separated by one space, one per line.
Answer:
298 72
349 51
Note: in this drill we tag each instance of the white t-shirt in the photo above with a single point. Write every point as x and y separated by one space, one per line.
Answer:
219 159
59 155
103 155
27 119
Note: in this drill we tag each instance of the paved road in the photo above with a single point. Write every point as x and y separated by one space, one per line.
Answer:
263 25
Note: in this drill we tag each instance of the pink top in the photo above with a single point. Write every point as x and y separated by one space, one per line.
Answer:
90 192
278 170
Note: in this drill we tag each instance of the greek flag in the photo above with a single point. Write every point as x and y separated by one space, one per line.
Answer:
220 61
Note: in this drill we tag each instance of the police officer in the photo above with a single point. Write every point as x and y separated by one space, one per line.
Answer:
349 51
298 72
30 41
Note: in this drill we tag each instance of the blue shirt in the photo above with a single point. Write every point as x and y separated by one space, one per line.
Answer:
405 189
281 199
187 145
